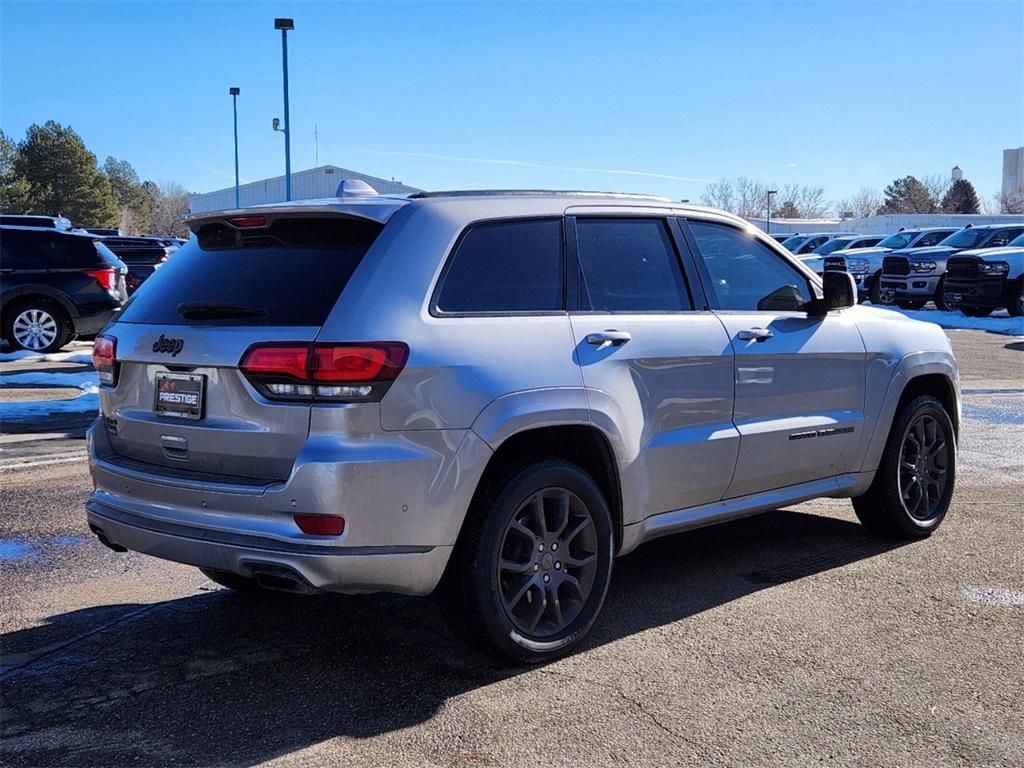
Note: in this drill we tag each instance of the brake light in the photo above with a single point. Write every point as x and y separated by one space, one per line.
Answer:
321 525
354 372
246 222
105 277
104 359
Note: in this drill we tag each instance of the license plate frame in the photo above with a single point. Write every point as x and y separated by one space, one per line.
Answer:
190 400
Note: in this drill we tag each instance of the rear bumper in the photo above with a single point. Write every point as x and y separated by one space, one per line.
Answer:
403 497
406 570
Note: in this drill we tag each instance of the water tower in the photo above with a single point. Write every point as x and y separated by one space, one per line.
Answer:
958 173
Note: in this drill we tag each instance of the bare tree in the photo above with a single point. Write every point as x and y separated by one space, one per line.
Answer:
169 204
1010 203
809 201
937 186
719 194
751 198
864 203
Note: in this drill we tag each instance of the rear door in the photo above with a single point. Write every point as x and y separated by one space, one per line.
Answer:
799 378
655 363
185 331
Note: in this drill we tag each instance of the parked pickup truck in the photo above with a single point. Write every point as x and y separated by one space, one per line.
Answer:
980 281
910 278
865 264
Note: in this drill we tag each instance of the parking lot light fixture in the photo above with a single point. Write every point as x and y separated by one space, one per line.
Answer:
284 25
234 91
768 221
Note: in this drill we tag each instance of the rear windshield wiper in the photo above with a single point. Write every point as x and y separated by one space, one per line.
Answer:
201 311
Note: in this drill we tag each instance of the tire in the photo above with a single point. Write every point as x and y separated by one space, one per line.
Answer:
886 508
1015 298
508 590
243 585
940 296
37 325
910 304
976 311
875 291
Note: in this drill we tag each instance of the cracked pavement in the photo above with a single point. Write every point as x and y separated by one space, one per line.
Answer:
792 638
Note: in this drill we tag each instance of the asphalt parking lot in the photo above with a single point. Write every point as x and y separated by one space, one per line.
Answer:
792 638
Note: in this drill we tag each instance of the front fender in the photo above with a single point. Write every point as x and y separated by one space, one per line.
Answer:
907 368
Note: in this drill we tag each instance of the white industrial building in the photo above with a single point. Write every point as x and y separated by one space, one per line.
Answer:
314 183
1013 174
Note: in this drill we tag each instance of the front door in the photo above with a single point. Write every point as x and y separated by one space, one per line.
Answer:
656 371
799 404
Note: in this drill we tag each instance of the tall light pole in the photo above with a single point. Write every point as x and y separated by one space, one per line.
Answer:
768 223
284 25
234 105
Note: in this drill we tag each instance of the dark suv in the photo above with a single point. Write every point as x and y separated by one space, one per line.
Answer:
142 255
55 286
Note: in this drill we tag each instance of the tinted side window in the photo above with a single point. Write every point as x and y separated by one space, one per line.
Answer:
40 250
811 244
745 274
932 238
1002 237
506 266
629 265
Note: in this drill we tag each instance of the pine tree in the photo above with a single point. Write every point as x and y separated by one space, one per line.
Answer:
132 199
961 198
13 188
908 195
63 178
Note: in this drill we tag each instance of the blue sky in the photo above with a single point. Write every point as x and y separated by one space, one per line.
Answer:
653 97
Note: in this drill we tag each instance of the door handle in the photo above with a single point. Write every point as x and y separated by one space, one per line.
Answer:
755 334
615 338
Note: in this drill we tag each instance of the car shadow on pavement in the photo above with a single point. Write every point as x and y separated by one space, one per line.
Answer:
216 678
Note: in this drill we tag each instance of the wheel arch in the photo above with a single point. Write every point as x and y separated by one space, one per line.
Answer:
581 443
23 293
920 373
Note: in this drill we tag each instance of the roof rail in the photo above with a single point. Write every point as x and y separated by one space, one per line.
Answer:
534 193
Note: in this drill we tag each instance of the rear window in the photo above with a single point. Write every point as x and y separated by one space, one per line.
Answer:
506 266
136 251
49 250
288 274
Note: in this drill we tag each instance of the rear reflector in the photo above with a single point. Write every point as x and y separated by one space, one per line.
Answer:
352 372
321 525
246 222
105 277
104 359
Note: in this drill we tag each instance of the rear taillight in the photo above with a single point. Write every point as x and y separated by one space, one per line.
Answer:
104 359
105 277
356 372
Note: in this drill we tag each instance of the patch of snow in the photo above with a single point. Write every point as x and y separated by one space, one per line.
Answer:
999 322
1004 598
86 380
27 356
89 400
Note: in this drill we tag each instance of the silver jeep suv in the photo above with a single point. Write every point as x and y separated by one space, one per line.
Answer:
494 394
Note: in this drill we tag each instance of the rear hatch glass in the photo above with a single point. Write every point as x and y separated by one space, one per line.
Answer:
188 326
136 250
289 273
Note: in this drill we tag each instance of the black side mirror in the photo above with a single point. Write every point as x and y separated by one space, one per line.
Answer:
839 291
